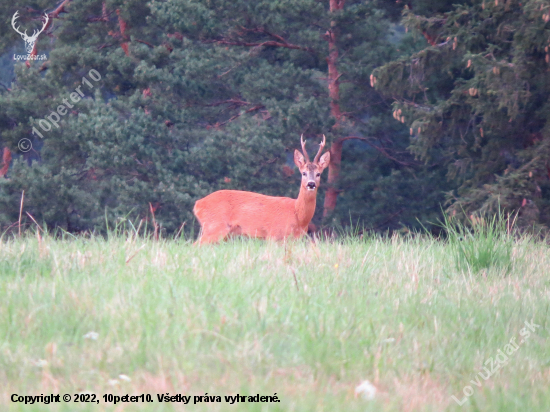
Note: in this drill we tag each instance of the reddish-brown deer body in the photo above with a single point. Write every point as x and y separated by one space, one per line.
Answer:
234 212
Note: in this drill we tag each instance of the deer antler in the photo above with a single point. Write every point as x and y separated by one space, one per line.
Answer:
35 33
304 147
321 147
15 17
43 27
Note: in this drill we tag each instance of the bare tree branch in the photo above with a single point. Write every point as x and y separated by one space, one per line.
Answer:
55 14
144 42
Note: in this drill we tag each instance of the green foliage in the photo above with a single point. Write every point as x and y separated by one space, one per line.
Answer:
486 243
477 101
379 196
197 96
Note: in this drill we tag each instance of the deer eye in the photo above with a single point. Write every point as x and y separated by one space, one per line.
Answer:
303 174
318 174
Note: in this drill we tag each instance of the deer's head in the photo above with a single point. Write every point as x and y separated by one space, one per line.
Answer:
311 171
29 40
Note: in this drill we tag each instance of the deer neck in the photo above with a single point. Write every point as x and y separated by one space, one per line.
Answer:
305 205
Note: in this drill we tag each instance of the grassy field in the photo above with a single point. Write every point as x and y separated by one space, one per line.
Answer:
307 322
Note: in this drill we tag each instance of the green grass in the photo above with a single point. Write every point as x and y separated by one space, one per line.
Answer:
308 322
483 244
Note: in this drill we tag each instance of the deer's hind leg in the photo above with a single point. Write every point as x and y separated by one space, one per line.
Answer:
213 233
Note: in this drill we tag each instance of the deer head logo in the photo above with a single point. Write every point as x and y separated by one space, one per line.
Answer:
29 40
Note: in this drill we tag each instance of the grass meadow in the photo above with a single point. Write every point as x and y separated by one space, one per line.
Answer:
305 321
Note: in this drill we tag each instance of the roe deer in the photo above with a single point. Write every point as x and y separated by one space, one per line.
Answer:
234 212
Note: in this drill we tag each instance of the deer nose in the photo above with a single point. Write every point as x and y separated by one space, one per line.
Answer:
311 185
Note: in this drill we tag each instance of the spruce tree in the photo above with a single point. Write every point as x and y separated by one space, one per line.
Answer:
476 99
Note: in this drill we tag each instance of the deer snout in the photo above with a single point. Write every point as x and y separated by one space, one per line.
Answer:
311 185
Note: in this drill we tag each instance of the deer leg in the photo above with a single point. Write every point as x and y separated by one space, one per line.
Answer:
213 233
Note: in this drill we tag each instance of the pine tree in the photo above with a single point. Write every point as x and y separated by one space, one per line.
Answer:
194 96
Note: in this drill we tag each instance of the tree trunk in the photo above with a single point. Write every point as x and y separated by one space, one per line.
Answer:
334 93
6 160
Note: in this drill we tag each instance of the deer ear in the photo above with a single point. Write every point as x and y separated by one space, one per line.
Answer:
299 159
324 161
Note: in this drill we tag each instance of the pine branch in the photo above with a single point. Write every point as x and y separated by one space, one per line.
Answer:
252 109
104 15
269 43
380 149
264 31
60 9
144 42
230 101
280 40
103 46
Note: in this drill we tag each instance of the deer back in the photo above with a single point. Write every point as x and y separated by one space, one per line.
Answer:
247 213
